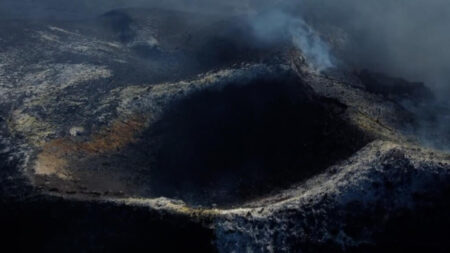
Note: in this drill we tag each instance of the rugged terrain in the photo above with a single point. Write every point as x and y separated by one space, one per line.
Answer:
150 129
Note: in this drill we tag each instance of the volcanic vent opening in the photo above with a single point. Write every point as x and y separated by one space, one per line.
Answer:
232 144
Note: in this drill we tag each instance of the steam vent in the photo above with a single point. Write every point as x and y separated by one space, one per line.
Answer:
146 130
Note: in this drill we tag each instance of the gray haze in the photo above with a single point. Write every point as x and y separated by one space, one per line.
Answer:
403 38
270 24
73 9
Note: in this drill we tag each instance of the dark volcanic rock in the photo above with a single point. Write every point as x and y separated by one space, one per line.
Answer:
167 131
393 87
246 140
56 225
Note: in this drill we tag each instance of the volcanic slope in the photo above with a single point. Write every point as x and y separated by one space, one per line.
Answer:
180 119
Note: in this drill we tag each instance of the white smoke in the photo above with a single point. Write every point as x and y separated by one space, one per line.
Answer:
277 25
313 47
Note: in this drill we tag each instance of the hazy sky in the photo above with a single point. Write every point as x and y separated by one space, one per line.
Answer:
89 8
406 38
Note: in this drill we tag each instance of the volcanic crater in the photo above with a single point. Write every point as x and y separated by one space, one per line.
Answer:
143 120
216 146
243 141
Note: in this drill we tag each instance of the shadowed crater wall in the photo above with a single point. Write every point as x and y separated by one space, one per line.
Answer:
241 141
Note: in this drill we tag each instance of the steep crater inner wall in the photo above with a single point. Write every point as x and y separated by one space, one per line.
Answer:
242 141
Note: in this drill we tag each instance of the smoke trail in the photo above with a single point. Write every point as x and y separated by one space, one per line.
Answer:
315 49
277 25
405 38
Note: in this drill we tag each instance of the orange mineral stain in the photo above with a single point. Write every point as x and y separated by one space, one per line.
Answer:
56 155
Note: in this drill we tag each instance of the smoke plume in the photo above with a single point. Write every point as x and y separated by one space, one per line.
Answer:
403 38
270 25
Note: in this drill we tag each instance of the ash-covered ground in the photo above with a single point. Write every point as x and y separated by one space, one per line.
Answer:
146 129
